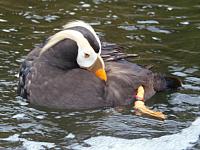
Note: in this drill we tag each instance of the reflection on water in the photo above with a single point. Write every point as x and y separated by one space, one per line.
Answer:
165 34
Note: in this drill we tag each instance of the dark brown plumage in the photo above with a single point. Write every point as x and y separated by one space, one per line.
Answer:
53 86
62 73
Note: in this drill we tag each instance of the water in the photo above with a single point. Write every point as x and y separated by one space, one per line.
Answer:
165 34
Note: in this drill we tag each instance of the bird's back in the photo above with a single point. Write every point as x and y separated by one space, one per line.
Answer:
47 85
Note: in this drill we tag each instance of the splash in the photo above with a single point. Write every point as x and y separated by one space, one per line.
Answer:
183 140
29 145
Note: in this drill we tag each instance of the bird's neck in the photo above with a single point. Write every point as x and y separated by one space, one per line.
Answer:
62 55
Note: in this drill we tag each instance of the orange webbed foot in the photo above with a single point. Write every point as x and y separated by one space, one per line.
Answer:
142 110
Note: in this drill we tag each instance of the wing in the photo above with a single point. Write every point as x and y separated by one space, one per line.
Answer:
113 52
24 71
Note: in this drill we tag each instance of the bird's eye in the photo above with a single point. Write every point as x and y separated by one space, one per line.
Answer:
86 55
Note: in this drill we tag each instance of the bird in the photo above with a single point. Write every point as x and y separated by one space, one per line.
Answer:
74 70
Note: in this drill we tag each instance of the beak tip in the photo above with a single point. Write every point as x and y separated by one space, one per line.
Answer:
101 73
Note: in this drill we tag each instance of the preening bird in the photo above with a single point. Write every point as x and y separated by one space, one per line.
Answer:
68 72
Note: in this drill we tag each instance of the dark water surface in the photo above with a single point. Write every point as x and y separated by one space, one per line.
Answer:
165 34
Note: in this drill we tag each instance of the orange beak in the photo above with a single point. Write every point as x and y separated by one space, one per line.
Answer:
98 69
101 73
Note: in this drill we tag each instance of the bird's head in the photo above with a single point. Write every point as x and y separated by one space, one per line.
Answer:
79 40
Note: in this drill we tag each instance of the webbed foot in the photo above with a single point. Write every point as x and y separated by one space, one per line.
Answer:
142 110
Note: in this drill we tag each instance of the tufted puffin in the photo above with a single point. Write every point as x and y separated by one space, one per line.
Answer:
73 70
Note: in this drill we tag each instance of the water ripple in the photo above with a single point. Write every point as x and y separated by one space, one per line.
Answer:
165 34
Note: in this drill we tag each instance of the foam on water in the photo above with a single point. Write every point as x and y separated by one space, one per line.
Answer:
183 140
29 145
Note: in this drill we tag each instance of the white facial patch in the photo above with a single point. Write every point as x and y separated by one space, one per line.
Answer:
84 48
85 25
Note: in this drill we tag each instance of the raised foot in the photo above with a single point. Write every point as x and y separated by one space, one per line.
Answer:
142 110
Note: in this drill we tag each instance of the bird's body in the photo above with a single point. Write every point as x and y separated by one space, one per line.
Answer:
54 79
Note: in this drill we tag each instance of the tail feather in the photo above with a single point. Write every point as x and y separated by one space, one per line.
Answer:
173 82
162 82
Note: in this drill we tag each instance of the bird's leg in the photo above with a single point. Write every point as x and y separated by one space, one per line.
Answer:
141 109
